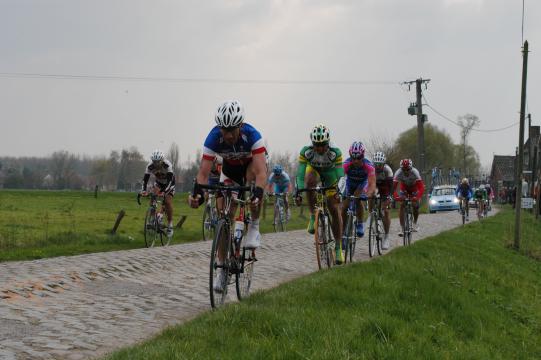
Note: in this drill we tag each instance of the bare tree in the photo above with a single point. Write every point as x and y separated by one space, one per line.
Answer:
174 156
386 144
467 123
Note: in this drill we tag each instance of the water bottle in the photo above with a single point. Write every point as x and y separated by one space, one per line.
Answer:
239 228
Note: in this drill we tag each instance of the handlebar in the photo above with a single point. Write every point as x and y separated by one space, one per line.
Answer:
316 189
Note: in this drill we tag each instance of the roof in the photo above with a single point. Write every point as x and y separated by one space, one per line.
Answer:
503 167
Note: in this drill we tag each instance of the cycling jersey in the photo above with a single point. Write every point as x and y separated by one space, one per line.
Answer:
357 176
480 194
249 143
411 182
327 165
163 174
281 182
384 180
464 190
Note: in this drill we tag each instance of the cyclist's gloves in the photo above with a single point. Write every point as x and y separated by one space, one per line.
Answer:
257 195
198 191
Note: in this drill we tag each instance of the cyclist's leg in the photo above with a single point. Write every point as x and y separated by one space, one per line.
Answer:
385 203
345 206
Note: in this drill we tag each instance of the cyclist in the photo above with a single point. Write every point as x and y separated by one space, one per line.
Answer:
464 193
164 182
480 195
384 184
243 152
323 160
412 185
282 184
360 181
490 195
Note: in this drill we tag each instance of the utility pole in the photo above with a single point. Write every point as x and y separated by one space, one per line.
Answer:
417 109
520 162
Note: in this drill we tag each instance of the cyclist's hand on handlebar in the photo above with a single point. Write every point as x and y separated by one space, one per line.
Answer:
298 200
196 201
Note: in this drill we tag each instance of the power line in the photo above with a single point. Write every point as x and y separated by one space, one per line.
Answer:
195 80
457 124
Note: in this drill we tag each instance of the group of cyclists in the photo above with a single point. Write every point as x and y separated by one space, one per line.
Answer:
242 152
482 196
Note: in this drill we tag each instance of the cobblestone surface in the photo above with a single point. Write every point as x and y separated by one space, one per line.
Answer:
82 307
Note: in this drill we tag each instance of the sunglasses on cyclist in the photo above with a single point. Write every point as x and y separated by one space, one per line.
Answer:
356 156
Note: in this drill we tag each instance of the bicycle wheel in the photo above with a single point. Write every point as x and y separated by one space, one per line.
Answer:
321 241
379 235
408 234
278 217
372 235
346 236
243 278
151 228
164 239
353 239
223 236
209 222
330 242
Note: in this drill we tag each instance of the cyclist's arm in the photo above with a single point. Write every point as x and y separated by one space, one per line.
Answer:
145 182
420 188
270 182
301 171
259 169
170 182
204 171
339 165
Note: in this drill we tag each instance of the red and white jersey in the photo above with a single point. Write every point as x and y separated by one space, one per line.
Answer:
408 180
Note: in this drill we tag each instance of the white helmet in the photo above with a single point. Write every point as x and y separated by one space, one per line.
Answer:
157 155
320 134
229 114
379 157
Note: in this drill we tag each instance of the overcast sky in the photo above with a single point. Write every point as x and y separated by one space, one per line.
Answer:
470 49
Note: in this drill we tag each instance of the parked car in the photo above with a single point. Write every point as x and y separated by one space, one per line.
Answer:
443 198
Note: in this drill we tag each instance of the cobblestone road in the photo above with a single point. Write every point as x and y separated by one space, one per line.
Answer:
82 307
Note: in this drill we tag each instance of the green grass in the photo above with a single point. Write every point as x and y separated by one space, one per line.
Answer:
460 295
40 224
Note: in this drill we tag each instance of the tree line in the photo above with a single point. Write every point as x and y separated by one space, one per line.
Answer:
123 169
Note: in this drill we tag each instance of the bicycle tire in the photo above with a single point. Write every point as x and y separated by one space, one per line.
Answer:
372 235
346 236
278 217
243 278
321 241
217 299
208 223
381 230
150 231
330 242
410 228
353 241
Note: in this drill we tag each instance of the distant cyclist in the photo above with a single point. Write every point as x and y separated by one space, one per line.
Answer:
384 184
464 193
164 182
279 179
490 194
411 185
324 161
480 195
243 152
360 181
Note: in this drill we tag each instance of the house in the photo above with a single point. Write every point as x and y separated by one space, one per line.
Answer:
502 173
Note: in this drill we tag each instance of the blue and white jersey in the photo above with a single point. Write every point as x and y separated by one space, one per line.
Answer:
281 180
250 142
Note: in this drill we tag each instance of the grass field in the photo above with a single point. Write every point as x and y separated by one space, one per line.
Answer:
39 224
463 294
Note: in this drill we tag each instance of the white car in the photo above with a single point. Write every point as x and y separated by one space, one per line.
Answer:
443 198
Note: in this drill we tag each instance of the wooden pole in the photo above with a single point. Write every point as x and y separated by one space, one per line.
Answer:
119 218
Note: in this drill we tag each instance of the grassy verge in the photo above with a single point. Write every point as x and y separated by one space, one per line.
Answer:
462 294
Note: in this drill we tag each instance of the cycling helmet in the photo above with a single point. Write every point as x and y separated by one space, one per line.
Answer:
356 150
379 157
465 180
230 114
277 170
320 134
482 186
406 164
157 155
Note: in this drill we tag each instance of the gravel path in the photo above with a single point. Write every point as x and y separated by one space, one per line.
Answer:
84 306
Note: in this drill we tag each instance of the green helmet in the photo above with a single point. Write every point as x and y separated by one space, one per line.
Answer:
320 134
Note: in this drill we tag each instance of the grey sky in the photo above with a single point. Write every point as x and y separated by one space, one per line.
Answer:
469 48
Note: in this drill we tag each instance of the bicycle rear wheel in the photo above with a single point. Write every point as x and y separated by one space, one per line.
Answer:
321 241
243 278
372 235
209 222
223 236
150 231
381 231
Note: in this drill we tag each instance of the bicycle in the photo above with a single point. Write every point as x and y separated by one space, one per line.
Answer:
280 217
323 239
480 208
210 217
463 204
485 208
238 261
375 229
408 221
154 227
349 237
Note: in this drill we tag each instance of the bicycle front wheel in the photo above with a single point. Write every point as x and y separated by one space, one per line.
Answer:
379 236
218 294
409 225
372 235
151 228
346 237
321 241
278 217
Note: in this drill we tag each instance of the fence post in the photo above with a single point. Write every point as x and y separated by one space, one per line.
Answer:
181 221
119 218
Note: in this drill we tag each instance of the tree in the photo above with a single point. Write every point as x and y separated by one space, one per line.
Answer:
467 123
63 169
387 145
174 156
131 169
